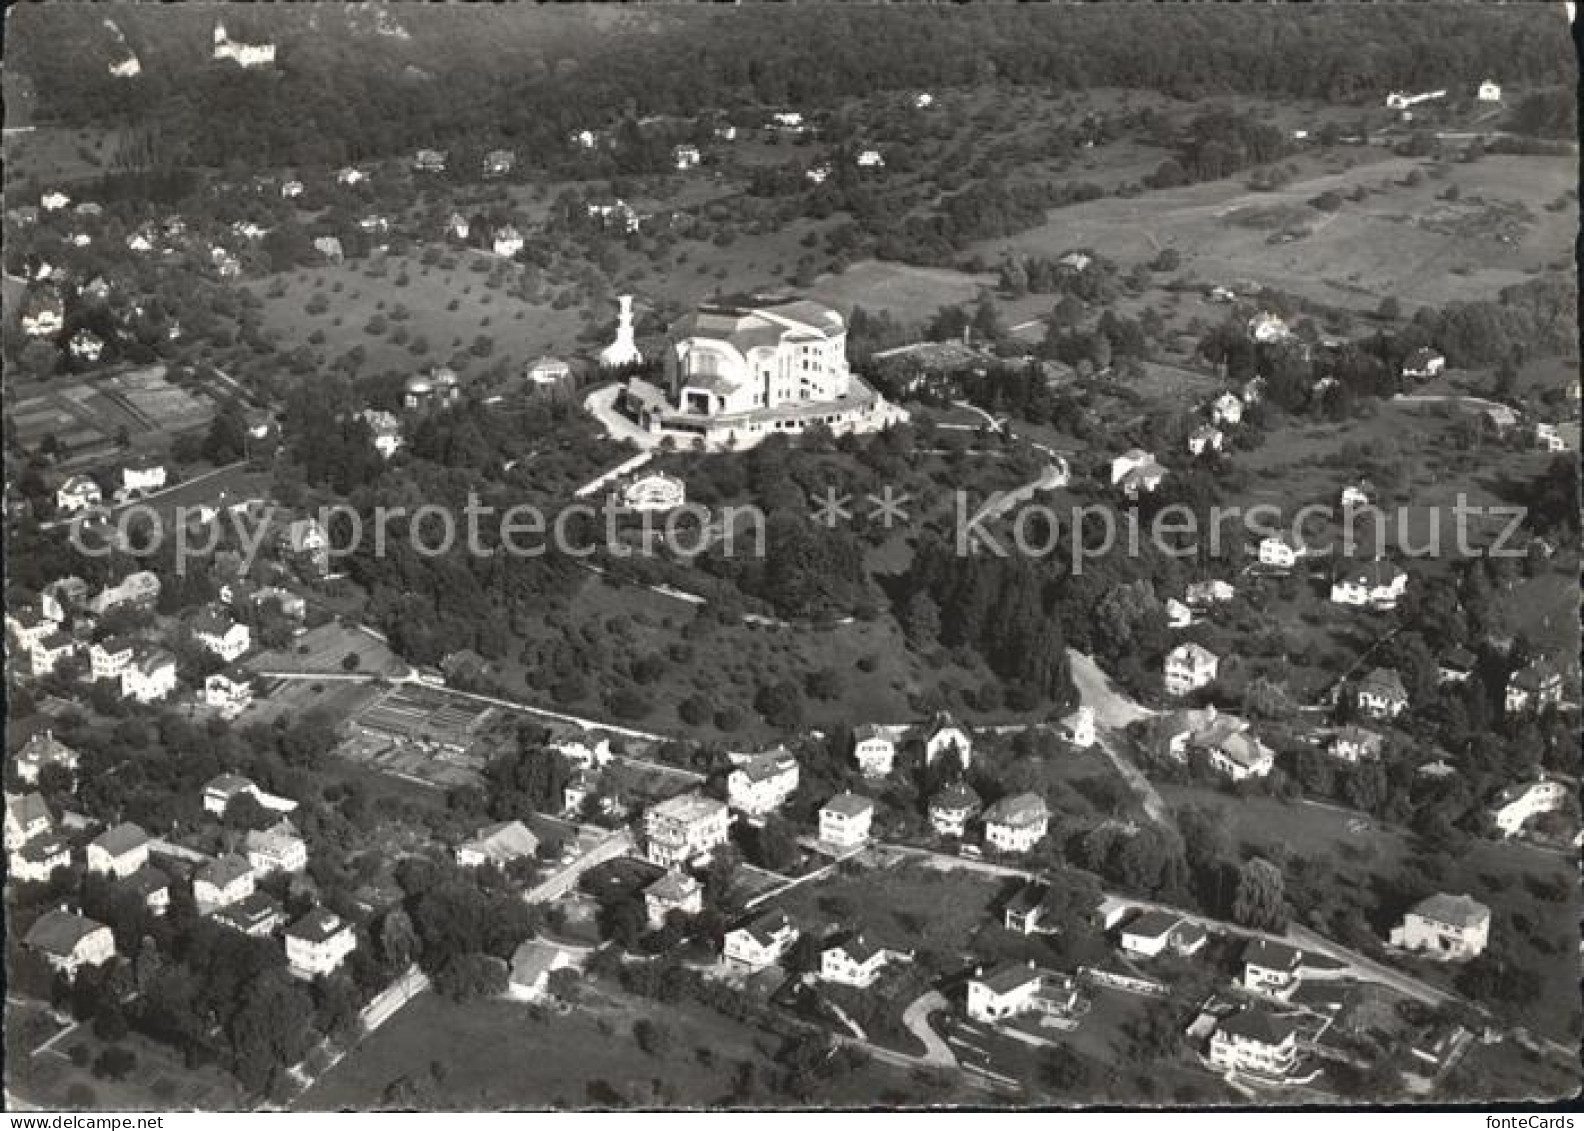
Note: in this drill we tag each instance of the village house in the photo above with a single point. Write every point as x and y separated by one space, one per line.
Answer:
942 734
85 345
499 844
675 891
330 247
1549 438
429 161
1213 591
350 176
1280 551
1189 667
1355 495
1356 744
1227 409
870 159
532 963
1078 728
1449 927
257 915
1014 988
43 312
139 588
761 942
952 808
222 882
221 635
107 659
150 885
1272 968
507 242
68 941
28 623
228 695
1205 438
844 820
457 226
1516 805
1423 364
499 162
1227 742
54 200
1025 909
385 431
318 943
1266 328
1456 665
1381 694
1534 687
1016 823
685 157
78 493
291 190
1178 615
36 861
685 828
277 849
244 55
855 960
45 655
1136 473
1488 92
874 750
150 676
27 816
1256 1042
1153 933
1377 584
118 851
219 792
40 750
761 783
817 174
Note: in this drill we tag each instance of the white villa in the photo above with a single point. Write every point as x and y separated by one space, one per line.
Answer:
684 828
737 373
1188 667
1449 927
761 783
874 750
845 820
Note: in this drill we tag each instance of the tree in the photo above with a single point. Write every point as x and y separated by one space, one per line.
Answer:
1260 901
652 1036
115 1063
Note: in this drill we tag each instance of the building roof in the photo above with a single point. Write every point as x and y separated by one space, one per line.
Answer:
535 958
1534 676
1459 658
1152 924
1272 955
146 881
43 847
59 932
765 927
223 871
673 887
688 807
270 842
123 838
859 947
248 912
319 925
767 765
228 785
1455 910
1257 1024
1019 810
27 808
954 798
509 840
1384 682
867 732
1196 655
848 804
1375 574
1009 976
1027 897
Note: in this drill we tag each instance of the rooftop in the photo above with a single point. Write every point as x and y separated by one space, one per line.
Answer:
59 932
849 804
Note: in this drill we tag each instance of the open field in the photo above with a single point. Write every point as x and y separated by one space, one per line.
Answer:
88 414
290 698
160 1080
55 155
324 649
1398 241
909 293
504 1055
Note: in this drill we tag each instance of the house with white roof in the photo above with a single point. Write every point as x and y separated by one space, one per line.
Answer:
1136 473
277 849
685 828
1377 584
78 493
1227 409
1281 551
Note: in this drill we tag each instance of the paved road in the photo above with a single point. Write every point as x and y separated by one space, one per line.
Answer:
916 1018
1113 712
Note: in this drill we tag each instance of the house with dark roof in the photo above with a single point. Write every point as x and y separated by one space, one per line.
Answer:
674 891
1381 694
68 941
1453 928
761 783
1025 910
845 820
118 851
1456 665
1256 1042
318 943
856 959
27 815
37 860
222 882
1534 687
1017 823
1011 989
498 844
1272 968
761 942
257 915
952 808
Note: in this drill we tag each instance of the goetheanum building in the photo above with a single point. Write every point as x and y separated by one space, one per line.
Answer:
735 373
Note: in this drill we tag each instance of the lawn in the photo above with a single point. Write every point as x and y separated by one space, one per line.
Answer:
502 1055
324 649
1400 240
